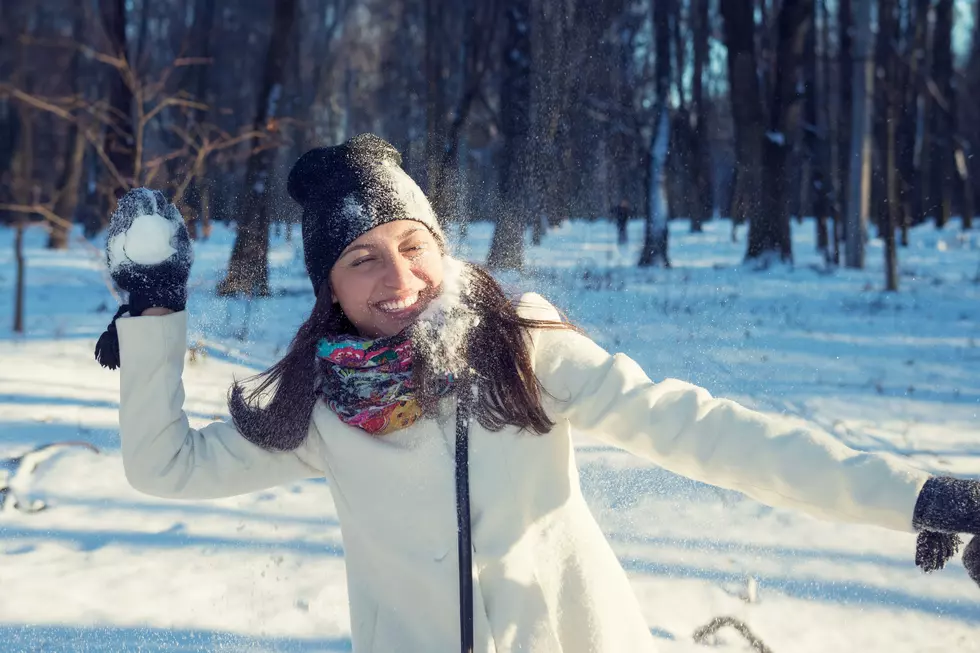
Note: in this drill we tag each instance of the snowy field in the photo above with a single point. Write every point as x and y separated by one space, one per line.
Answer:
107 569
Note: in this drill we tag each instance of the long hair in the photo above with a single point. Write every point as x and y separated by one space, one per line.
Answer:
498 353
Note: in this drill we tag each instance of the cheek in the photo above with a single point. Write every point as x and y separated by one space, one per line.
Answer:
349 290
431 270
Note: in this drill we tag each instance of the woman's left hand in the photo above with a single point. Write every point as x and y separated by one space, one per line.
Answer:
946 507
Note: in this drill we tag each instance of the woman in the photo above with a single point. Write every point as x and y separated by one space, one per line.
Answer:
399 335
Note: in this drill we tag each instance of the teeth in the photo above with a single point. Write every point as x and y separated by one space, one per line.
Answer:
399 305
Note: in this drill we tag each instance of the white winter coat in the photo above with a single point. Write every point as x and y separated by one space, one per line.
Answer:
545 579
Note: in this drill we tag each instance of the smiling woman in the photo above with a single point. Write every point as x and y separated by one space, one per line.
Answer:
376 393
386 278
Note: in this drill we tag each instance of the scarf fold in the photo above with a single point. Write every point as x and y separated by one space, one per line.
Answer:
368 383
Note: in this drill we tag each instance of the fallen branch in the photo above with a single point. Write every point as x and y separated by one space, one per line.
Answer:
13 470
716 624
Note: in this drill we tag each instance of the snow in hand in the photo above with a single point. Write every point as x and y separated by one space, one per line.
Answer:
105 568
146 242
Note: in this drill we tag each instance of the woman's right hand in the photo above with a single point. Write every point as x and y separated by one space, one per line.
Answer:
149 256
149 252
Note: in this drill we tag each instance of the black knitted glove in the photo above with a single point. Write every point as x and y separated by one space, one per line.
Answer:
149 256
945 507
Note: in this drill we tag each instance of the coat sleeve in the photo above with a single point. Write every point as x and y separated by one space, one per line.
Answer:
682 428
162 455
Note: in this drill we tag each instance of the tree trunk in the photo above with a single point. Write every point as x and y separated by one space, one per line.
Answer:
507 246
860 170
19 292
830 116
118 142
248 267
888 74
654 251
68 188
942 168
965 185
436 109
911 191
891 201
655 235
817 101
845 63
701 143
769 229
925 198
747 108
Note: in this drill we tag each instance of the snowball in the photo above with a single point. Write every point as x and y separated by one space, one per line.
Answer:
146 242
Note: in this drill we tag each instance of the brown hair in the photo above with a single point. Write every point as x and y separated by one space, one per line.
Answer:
498 353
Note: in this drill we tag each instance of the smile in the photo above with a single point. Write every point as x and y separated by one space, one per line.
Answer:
399 305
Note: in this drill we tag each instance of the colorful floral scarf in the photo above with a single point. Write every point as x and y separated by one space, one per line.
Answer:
368 383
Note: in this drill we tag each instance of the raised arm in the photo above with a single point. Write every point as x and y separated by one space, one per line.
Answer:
162 455
682 428
149 255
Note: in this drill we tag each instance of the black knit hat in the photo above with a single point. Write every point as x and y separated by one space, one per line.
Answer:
347 190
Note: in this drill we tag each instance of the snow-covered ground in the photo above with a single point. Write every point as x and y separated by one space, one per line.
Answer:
105 568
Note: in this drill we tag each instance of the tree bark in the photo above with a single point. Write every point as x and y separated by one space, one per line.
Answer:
910 78
248 267
701 156
507 246
655 233
68 188
860 169
817 99
925 203
18 325
769 229
118 142
942 168
436 106
845 63
831 118
887 72
747 108
655 237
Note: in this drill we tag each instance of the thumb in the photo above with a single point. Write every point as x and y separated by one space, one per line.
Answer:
971 559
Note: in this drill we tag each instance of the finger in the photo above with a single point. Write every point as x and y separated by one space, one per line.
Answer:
971 559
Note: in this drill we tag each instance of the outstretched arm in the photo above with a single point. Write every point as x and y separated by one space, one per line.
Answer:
682 428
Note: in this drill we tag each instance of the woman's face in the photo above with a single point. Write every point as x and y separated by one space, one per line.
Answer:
386 278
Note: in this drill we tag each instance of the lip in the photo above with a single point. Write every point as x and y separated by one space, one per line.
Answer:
405 313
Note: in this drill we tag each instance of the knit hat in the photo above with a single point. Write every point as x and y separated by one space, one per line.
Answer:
345 191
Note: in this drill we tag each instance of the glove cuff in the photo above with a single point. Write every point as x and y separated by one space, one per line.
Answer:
948 505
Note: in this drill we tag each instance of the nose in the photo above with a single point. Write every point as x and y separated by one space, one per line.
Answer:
398 273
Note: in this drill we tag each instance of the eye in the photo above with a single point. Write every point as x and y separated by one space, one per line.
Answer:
415 251
361 261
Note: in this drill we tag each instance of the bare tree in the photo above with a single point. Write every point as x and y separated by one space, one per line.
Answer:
248 267
769 230
746 106
859 182
507 246
655 233
119 140
701 143
942 163
888 62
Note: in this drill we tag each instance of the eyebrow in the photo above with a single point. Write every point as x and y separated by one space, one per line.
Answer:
402 236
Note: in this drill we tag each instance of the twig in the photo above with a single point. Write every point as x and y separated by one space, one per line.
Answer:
716 624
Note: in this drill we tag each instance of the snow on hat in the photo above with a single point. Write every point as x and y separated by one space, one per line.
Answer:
345 191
